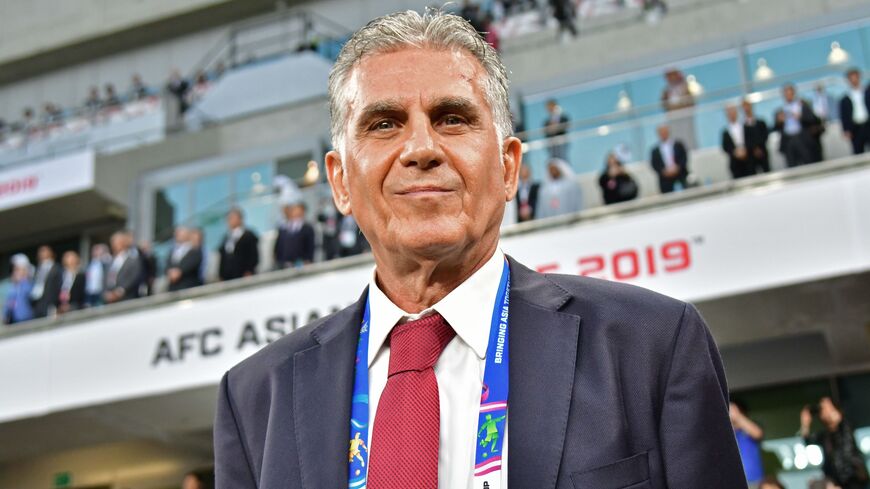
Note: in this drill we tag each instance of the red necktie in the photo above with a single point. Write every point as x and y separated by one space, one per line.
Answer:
407 424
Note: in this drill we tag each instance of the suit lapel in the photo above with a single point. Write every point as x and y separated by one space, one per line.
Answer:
543 356
322 388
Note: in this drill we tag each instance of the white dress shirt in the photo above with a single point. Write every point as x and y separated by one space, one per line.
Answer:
667 150
859 109
735 129
459 370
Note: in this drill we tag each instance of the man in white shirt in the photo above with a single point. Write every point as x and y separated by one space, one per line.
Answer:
455 351
670 160
800 130
855 112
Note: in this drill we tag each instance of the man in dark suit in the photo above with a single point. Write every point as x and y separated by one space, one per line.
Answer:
46 283
756 139
855 112
125 275
183 264
239 250
527 195
610 386
294 245
734 145
800 130
556 128
670 161
72 288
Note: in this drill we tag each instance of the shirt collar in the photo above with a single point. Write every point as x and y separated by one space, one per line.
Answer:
467 308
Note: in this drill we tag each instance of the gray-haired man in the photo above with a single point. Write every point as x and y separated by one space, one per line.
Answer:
454 349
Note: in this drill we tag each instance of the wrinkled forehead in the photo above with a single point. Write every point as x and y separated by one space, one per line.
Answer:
413 75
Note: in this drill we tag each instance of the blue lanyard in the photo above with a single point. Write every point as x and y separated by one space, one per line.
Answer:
493 398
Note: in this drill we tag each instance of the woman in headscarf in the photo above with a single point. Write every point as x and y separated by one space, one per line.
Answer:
16 307
560 192
616 184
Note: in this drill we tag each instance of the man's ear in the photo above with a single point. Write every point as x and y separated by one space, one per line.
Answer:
338 182
512 159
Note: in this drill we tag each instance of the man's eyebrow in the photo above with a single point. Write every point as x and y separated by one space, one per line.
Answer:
379 108
459 105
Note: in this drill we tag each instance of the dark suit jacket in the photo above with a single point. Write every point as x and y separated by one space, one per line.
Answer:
130 277
76 291
556 129
189 265
293 247
681 158
811 126
50 293
244 258
847 111
611 386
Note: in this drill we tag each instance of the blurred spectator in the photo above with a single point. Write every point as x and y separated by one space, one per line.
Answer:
670 161
95 274
734 139
28 124
178 87
125 274
294 245
149 266
616 183
138 90
749 436
556 125
72 285
843 462
770 483
350 240
46 283
199 89
855 112
16 306
471 12
490 32
756 140
677 99
823 104
183 264
563 11
111 100
52 116
527 195
192 480
198 241
93 103
799 128
329 219
560 192
239 250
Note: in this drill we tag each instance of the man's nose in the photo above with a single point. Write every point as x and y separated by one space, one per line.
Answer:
421 146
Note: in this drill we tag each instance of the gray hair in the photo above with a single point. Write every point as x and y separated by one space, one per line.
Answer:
432 29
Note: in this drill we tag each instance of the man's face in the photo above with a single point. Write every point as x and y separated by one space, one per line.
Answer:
747 109
525 173
44 253
788 93
855 79
421 168
664 133
190 482
731 113
233 220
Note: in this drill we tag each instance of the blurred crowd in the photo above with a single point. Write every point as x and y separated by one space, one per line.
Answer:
104 105
843 463
125 270
800 123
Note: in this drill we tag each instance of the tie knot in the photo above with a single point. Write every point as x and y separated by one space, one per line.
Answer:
416 345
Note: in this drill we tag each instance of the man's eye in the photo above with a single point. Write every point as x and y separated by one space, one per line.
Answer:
452 120
383 125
